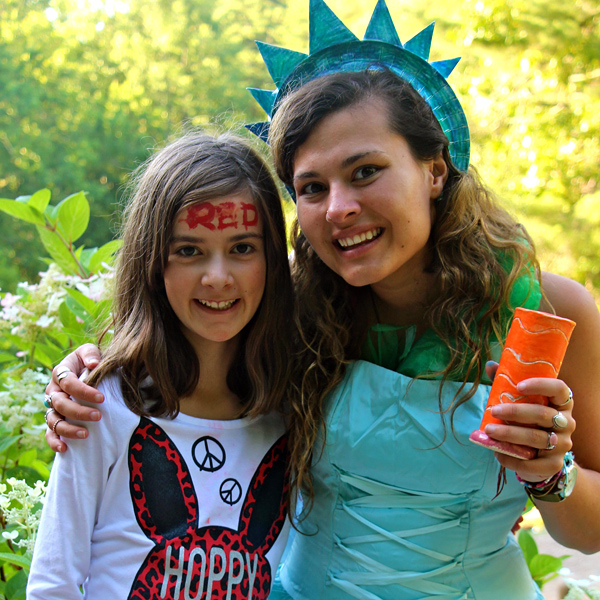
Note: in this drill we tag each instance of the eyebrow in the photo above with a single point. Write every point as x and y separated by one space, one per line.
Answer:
176 239
350 160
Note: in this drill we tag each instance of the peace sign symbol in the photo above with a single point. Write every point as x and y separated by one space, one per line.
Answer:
208 454
231 491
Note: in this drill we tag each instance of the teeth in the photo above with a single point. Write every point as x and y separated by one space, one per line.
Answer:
359 239
218 305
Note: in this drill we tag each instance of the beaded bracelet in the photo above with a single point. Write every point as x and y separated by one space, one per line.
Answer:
556 488
539 485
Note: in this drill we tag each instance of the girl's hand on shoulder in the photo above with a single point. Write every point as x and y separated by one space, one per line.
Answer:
64 385
548 429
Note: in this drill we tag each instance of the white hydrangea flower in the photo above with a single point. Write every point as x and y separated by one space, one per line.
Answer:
21 510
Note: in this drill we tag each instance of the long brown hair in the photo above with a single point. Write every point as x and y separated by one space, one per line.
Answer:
157 364
477 253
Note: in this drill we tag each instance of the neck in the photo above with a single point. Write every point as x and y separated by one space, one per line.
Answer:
404 301
212 398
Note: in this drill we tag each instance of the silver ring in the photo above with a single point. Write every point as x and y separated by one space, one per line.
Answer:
62 372
569 399
55 424
549 444
48 400
559 421
47 413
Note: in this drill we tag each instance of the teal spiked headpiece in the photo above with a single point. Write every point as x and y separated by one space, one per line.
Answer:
333 48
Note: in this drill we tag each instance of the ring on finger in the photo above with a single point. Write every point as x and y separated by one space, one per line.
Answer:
56 423
569 399
551 443
61 372
559 421
46 415
48 400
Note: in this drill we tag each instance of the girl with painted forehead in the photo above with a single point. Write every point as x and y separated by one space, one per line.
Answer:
407 275
181 490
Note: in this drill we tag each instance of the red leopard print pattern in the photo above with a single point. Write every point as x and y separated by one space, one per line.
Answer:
207 563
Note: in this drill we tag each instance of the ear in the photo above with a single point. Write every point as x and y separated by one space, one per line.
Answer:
439 172
265 505
162 492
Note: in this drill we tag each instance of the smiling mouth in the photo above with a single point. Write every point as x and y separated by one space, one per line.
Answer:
358 240
223 305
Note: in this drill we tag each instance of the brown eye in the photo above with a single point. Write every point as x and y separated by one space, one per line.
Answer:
187 251
243 249
366 172
312 188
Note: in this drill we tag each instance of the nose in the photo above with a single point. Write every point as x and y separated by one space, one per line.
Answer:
217 274
342 206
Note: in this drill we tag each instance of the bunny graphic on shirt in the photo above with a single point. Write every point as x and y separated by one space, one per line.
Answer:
202 563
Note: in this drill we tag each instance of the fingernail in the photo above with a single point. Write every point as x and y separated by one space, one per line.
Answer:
95 415
98 397
491 429
490 363
81 434
495 411
61 448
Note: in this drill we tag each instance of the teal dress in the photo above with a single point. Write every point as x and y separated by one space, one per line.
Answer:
406 508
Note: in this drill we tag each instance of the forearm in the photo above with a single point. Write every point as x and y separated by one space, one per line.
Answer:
575 522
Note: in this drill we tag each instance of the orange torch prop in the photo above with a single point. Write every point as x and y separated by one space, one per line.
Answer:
535 347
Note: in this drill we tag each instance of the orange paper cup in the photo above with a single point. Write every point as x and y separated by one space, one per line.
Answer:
535 347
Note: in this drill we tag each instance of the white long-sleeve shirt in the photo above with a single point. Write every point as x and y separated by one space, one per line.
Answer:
163 508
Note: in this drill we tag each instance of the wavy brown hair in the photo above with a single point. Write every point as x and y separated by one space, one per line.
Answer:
477 253
157 364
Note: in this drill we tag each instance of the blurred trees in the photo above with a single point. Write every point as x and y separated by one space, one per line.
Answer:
88 86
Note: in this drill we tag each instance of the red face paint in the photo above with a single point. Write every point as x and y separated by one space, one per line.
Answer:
202 213
249 216
221 215
227 215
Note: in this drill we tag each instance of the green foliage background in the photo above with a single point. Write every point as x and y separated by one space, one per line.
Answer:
88 87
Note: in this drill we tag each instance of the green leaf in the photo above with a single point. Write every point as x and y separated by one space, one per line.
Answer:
85 256
87 303
39 200
528 545
68 318
7 442
24 212
102 310
80 312
104 254
21 560
42 468
50 352
6 357
16 586
41 357
544 564
58 251
74 216
27 457
27 473
51 213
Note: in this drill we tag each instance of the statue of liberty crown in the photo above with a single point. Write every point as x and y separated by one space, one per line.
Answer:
333 48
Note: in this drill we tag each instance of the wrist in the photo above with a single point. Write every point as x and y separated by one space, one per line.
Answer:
556 488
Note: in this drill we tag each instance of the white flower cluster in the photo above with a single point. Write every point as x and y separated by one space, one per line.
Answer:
35 306
21 507
21 399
